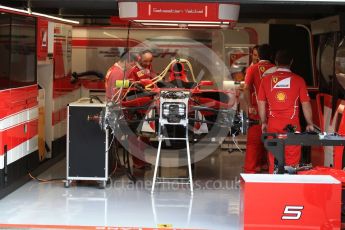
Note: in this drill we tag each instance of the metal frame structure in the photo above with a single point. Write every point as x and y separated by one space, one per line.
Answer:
161 137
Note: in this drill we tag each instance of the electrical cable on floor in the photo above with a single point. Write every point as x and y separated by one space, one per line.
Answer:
113 172
115 158
110 146
47 180
63 179
235 142
111 143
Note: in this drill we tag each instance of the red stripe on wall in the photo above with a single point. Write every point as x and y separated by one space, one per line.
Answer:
82 47
16 100
18 134
91 84
104 42
184 46
64 86
59 115
60 39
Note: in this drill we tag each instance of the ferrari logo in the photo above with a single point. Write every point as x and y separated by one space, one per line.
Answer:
262 69
281 96
275 80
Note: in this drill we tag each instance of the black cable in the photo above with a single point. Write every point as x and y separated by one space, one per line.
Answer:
114 149
95 97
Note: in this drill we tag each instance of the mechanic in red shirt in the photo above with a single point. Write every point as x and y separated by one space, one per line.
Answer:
282 92
256 158
143 67
141 70
255 55
118 71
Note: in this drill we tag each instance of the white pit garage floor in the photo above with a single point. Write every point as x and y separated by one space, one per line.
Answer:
124 205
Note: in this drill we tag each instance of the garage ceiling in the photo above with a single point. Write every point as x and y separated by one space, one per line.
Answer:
98 12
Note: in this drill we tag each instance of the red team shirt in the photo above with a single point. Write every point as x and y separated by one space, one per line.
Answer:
137 73
114 73
283 90
255 154
254 75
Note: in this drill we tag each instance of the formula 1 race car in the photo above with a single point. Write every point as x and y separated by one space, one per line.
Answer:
140 107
